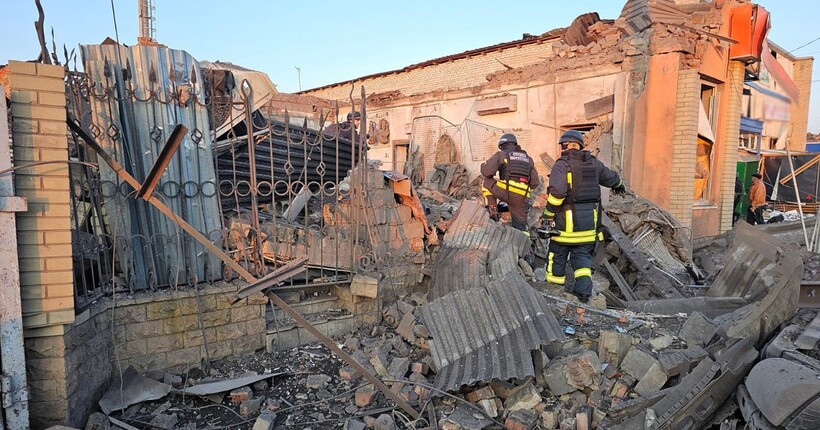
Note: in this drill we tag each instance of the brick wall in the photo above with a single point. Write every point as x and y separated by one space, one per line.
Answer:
44 231
460 73
684 143
802 69
729 143
156 330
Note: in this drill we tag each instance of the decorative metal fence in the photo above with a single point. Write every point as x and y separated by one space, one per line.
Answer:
257 183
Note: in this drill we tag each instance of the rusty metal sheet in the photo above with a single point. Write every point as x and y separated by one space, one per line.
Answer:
488 331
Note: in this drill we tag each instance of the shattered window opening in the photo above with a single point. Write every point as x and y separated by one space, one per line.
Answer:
704 152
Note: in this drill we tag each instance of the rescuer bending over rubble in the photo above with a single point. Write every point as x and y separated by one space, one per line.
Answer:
516 180
346 130
573 210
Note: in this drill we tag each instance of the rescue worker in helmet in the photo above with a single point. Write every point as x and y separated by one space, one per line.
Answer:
516 180
573 209
346 130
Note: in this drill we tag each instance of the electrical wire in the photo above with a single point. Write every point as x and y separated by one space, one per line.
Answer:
40 163
444 393
804 45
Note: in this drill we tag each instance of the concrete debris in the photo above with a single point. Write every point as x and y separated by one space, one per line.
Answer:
524 397
613 346
164 421
521 419
317 382
266 421
465 417
351 424
697 330
251 406
577 370
98 421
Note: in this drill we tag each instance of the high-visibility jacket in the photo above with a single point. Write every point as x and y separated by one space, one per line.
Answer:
516 170
574 198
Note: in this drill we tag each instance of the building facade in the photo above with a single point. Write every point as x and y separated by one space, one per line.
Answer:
658 91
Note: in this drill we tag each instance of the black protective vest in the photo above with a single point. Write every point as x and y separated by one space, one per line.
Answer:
585 187
517 167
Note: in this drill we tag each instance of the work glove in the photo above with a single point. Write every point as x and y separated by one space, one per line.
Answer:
546 220
620 189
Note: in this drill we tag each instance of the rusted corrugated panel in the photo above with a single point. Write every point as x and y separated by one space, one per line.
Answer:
488 331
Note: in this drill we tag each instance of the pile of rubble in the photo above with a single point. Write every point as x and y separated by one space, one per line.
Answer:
484 344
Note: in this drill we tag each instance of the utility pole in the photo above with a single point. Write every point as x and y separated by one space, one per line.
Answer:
299 76
145 9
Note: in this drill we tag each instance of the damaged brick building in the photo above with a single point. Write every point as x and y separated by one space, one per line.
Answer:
187 237
644 86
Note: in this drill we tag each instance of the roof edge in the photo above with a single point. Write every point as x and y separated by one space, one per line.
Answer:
552 35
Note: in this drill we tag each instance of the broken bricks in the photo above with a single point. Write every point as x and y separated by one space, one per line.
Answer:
364 396
574 370
524 397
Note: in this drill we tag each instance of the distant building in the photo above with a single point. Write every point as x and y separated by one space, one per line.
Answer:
770 118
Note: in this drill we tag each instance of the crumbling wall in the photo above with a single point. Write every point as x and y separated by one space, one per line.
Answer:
151 331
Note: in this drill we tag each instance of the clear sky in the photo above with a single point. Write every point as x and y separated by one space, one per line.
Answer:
333 41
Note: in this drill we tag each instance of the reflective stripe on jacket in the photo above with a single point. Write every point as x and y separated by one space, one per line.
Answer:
574 205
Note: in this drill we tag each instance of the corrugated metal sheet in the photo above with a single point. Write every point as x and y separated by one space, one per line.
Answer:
758 263
472 228
475 250
488 331
132 116
484 318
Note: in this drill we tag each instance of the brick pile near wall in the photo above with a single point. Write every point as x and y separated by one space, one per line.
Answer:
158 330
44 231
398 237
684 143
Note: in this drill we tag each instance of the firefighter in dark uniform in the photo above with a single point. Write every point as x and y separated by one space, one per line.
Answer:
573 208
516 180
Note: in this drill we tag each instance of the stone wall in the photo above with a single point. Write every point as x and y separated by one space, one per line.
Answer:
152 330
